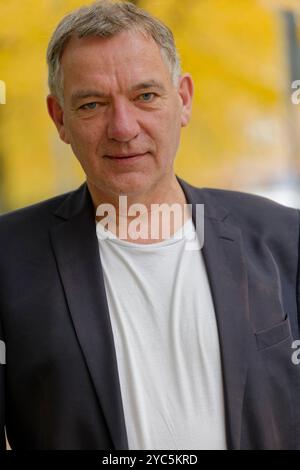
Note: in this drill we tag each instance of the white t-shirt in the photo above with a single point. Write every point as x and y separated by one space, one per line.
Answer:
166 342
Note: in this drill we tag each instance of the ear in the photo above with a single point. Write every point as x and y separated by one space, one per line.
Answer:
186 91
56 113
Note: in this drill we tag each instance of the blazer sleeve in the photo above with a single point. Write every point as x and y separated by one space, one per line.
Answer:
2 389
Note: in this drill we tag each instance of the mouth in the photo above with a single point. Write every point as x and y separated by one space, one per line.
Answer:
125 157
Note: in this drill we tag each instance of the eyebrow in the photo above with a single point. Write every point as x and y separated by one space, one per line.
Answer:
82 94
149 84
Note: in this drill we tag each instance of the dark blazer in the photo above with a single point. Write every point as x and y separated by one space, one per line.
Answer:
60 388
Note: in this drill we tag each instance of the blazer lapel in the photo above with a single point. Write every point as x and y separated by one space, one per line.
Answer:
223 257
76 250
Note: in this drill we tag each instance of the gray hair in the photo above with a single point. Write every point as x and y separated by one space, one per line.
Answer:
106 19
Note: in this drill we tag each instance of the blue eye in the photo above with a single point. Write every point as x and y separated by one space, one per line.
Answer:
89 106
147 96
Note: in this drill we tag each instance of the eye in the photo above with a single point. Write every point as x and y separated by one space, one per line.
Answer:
89 106
146 97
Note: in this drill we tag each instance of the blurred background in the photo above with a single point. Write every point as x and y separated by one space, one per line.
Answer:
244 56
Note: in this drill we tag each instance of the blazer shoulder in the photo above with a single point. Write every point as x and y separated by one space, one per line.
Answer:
253 211
30 216
246 203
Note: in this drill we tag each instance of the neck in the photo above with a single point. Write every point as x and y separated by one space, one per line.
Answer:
160 211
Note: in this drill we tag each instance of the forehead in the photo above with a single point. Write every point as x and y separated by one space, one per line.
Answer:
127 56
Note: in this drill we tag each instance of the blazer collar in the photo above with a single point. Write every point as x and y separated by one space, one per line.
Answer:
194 196
75 203
80 200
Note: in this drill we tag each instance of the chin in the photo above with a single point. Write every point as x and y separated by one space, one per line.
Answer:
129 185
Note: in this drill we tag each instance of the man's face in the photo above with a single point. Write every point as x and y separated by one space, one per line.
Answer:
122 114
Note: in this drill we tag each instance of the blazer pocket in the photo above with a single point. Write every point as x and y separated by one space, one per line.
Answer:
273 335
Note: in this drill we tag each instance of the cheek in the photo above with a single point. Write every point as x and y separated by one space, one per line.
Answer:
165 125
172 130
83 136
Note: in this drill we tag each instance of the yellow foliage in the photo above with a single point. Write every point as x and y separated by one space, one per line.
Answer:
235 53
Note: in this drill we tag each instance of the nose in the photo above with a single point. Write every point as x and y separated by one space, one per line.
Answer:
123 125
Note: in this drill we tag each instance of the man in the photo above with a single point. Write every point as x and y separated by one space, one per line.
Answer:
137 342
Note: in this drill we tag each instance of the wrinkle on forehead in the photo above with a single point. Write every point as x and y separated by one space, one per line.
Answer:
118 61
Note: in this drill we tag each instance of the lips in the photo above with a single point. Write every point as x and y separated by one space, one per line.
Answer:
124 156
